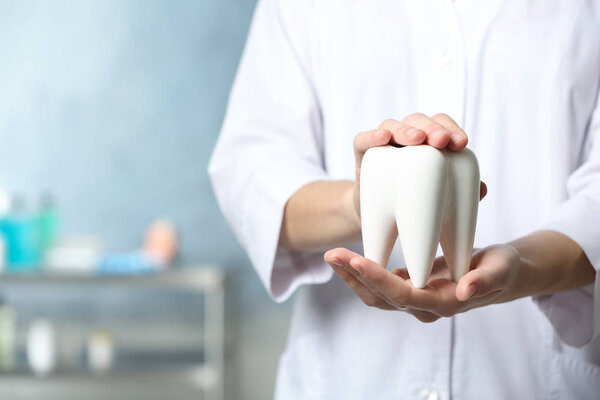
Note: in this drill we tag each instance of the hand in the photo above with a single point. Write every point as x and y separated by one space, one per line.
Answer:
438 131
491 279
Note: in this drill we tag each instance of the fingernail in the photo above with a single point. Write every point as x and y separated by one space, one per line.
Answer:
471 291
380 133
456 138
336 262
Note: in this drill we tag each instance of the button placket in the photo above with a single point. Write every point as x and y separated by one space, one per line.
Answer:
445 62
451 64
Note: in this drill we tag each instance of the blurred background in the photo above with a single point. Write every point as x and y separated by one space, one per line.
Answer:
119 276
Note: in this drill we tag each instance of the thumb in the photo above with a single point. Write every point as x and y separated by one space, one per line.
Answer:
490 273
476 283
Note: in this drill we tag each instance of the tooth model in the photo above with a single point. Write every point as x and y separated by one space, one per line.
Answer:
424 196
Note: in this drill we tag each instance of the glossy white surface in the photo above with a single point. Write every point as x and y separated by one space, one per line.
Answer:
424 196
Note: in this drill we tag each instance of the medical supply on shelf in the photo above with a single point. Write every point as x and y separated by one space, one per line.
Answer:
48 223
75 253
7 337
100 351
21 233
41 347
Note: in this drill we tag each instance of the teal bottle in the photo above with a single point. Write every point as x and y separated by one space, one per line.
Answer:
48 223
21 233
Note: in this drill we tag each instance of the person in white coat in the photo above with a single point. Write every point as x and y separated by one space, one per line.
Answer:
321 81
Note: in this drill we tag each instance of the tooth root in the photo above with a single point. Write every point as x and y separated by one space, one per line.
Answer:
376 204
379 237
419 207
458 229
424 196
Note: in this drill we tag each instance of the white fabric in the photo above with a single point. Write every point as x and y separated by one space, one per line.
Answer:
522 77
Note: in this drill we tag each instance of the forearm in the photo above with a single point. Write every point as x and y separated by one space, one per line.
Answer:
550 262
320 215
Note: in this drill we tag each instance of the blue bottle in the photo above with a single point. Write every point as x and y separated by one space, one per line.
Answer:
21 233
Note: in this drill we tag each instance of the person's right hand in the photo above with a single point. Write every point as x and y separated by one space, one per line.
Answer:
438 131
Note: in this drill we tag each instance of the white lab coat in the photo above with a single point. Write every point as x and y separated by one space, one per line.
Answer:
522 77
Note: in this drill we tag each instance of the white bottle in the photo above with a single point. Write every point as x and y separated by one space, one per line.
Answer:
7 337
100 351
41 347
424 196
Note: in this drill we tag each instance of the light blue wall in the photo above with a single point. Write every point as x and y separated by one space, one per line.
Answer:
114 106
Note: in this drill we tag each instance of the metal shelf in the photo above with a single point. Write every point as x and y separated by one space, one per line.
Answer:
202 277
207 378
159 384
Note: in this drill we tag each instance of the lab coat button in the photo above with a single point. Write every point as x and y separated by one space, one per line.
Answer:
444 62
429 394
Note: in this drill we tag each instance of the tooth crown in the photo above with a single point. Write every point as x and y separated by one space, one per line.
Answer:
424 196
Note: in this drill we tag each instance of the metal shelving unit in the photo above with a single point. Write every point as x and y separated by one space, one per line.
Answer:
206 378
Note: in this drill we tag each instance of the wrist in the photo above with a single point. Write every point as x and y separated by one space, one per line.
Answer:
550 262
525 282
534 276
350 207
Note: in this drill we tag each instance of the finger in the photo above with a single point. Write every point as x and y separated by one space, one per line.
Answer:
491 273
482 190
395 289
365 140
340 255
399 291
437 135
368 297
458 137
476 302
438 296
373 288
437 299
364 293
403 134
343 257
423 316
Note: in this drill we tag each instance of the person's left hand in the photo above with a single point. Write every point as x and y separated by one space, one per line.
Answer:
491 279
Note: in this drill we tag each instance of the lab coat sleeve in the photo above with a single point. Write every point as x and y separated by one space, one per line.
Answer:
271 145
575 314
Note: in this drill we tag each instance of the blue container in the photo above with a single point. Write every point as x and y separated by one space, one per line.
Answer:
22 236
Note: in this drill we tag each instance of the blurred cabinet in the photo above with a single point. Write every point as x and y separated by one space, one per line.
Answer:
194 374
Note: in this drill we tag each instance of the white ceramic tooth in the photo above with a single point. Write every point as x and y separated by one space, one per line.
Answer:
377 194
415 193
458 227
419 207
